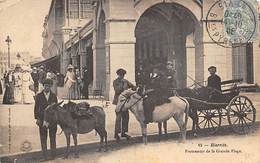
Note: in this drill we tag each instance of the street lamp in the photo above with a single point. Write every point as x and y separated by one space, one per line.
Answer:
8 41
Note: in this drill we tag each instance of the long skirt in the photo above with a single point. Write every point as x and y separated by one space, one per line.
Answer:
85 90
18 94
9 95
71 92
1 88
27 96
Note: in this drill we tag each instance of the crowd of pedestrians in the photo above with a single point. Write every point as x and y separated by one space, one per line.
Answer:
22 83
18 84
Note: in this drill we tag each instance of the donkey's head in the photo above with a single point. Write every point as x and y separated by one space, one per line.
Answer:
50 114
132 100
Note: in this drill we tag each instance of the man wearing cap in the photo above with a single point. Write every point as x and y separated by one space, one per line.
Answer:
42 100
122 117
214 81
214 84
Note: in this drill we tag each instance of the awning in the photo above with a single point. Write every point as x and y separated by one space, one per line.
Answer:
52 63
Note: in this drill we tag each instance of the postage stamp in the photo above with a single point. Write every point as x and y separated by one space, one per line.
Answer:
234 26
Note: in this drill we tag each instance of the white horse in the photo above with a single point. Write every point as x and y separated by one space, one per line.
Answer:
178 106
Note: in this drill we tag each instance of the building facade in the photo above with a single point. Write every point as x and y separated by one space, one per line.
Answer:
132 33
63 22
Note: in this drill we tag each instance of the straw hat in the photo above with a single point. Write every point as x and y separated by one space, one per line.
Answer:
26 68
70 67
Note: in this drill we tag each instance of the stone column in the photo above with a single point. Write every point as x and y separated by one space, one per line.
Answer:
98 54
190 49
199 53
120 52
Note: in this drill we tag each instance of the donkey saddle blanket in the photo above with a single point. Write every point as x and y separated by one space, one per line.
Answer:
82 111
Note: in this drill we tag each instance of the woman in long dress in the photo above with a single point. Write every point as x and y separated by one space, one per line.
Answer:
27 94
18 84
70 82
9 88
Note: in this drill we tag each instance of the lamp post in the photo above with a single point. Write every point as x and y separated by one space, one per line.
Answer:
8 41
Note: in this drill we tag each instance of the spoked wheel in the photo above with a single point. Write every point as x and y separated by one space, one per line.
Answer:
209 120
241 114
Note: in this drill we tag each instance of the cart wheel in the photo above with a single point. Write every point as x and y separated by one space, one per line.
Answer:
241 114
209 120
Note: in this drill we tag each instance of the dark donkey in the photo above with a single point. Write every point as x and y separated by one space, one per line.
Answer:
63 116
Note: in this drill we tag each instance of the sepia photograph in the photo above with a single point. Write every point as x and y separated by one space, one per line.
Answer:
129 81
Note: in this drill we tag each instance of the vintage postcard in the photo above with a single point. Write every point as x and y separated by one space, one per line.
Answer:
129 81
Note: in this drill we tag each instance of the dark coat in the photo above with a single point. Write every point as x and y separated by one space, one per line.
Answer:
42 76
41 103
119 86
9 90
214 81
35 77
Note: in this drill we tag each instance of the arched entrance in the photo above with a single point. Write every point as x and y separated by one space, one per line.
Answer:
161 35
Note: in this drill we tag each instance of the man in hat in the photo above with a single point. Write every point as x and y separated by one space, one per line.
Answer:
172 83
86 80
42 77
214 81
214 84
122 117
42 100
35 77
159 95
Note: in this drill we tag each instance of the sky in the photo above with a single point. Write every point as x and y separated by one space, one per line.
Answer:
23 21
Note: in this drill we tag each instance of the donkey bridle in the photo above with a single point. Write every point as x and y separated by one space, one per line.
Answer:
128 98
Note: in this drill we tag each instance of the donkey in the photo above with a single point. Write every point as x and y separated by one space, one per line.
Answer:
63 116
132 100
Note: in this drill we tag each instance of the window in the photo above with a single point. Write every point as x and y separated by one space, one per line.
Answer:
85 9
242 60
73 9
79 9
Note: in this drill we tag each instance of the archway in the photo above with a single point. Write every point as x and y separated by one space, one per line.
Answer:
161 34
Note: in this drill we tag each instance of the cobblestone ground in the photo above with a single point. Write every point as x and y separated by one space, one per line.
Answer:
23 130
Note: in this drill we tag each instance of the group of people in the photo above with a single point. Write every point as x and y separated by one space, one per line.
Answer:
18 86
76 87
162 81
23 83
